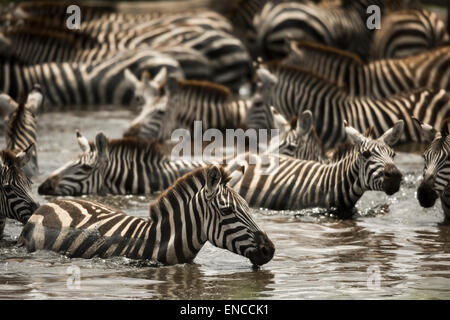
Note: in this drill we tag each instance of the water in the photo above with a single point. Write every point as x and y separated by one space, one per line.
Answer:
392 249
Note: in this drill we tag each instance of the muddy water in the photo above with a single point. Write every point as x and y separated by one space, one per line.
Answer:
392 249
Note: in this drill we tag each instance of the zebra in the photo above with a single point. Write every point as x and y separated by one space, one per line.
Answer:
203 41
338 27
379 79
298 90
73 84
198 207
16 198
21 128
436 173
116 166
292 184
407 33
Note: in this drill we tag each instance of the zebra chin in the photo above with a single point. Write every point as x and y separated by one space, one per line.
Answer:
263 252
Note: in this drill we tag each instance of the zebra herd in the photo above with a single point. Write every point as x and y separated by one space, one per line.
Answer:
341 95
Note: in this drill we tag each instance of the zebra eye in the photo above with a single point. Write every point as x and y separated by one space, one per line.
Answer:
226 210
366 154
86 167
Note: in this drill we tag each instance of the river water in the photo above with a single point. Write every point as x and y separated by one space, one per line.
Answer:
392 248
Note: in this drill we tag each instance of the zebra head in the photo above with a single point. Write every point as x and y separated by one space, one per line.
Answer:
84 175
436 172
146 91
375 159
16 199
228 223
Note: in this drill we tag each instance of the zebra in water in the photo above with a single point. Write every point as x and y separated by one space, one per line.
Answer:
338 27
298 184
436 173
378 79
407 33
100 83
116 166
198 207
16 198
21 128
298 90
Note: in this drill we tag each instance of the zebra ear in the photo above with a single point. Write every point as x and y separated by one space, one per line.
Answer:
83 142
213 177
7 105
24 156
161 77
101 144
394 134
305 122
427 132
354 135
266 78
35 99
131 77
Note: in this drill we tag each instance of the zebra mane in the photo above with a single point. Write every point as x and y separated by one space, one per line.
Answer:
210 88
188 182
10 169
345 148
279 64
318 47
152 148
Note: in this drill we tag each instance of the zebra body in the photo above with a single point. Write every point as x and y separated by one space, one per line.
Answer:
199 207
21 129
378 79
436 173
122 166
298 90
294 184
408 33
342 28
101 83
16 198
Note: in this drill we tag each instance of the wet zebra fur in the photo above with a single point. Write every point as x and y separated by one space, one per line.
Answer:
298 90
284 183
198 207
436 173
117 166
21 128
380 79
16 198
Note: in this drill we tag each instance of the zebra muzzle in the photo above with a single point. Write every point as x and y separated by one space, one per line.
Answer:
264 250
47 187
392 178
426 194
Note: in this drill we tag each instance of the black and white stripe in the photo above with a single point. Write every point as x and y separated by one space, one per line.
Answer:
122 166
436 172
199 207
285 183
16 198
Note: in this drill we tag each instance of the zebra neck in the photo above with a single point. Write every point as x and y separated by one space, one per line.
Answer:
342 187
175 227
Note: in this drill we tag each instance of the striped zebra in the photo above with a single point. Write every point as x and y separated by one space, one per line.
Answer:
292 184
298 90
203 41
378 79
198 207
16 198
334 26
407 33
436 173
21 128
71 84
117 166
